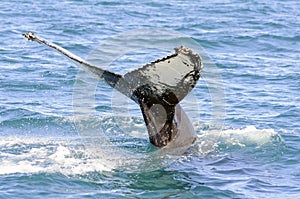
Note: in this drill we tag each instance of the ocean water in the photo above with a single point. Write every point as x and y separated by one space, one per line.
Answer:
63 134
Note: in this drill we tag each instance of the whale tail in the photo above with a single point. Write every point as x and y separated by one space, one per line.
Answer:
157 87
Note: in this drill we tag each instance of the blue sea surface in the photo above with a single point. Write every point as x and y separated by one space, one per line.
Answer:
64 134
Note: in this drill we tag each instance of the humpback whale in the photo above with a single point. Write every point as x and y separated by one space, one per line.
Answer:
157 88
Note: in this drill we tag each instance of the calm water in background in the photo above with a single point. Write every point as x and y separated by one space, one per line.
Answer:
255 47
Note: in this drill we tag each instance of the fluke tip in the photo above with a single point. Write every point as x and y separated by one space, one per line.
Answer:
29 35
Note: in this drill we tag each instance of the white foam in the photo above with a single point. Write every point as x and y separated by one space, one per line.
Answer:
250 135
72 157
209 140
34 155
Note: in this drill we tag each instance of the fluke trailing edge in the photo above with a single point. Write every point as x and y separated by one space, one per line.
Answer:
157 88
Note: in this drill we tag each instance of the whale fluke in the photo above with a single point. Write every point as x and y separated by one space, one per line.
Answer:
157 88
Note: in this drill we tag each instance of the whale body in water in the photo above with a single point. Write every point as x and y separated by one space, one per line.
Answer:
157 88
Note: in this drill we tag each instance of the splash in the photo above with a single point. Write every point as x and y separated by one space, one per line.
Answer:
72 156
250 136
210 140
42 155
